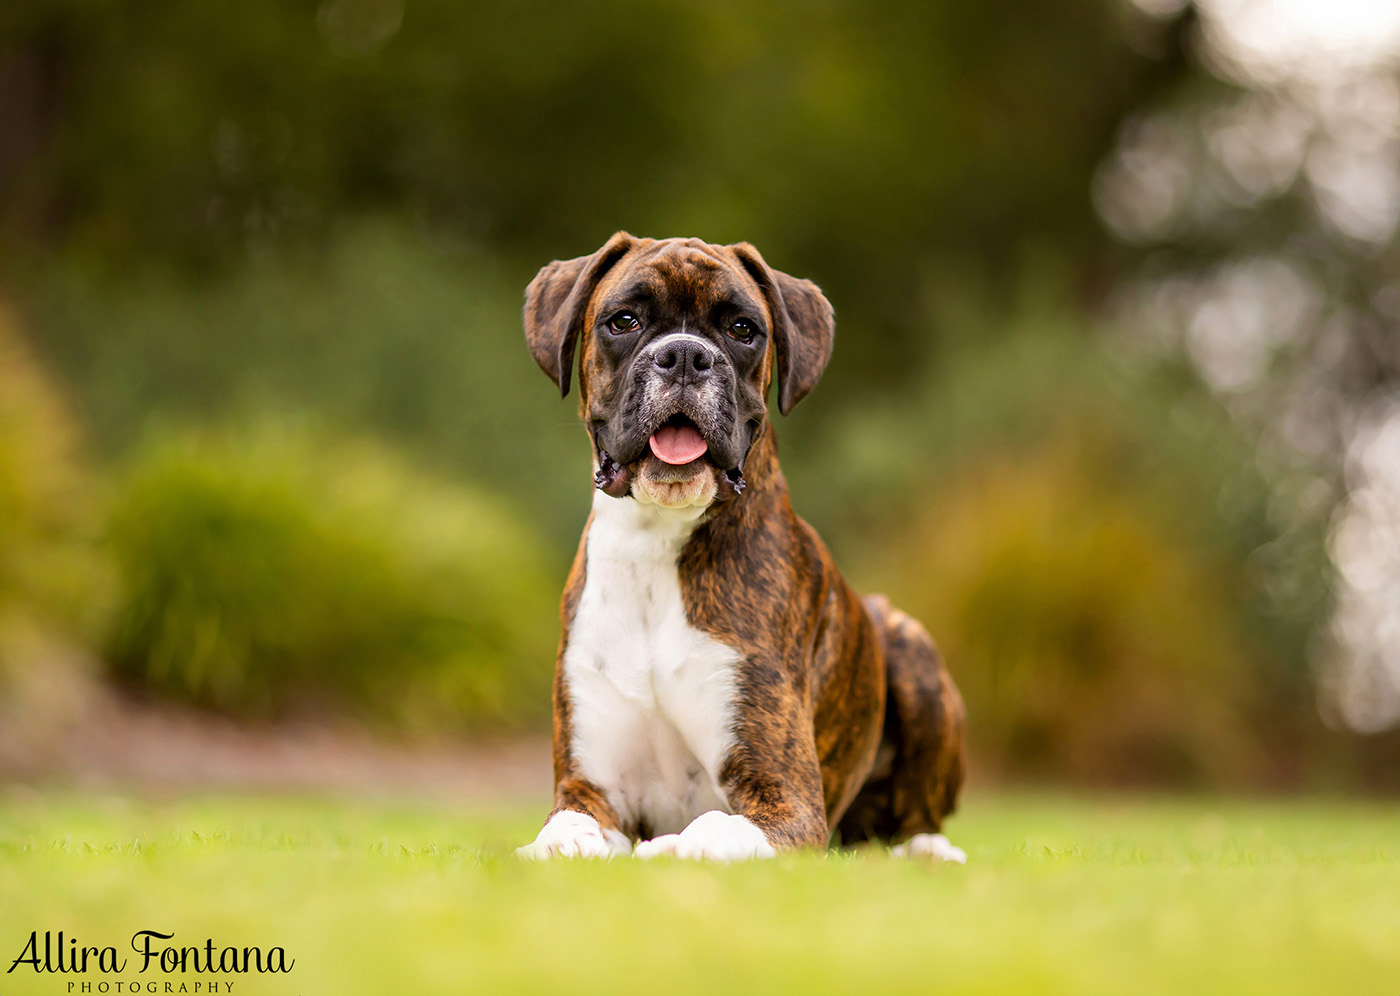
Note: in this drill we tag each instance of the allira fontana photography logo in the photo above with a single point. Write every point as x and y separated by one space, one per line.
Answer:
151 952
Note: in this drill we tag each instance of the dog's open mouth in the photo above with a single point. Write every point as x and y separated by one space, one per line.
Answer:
676 468
678 442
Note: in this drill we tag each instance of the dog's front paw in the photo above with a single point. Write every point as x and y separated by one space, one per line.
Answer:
574 835
932 847
713 836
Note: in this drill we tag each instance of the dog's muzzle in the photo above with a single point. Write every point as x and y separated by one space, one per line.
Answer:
681 411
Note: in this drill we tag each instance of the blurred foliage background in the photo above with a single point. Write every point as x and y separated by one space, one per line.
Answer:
1113 408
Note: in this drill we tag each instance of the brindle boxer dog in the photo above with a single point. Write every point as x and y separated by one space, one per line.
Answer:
720 692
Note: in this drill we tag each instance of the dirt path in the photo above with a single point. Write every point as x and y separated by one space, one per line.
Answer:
78 732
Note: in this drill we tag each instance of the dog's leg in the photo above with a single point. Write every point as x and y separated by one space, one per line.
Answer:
773 784
582 825
919 768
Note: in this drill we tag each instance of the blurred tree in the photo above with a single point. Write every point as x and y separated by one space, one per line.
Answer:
1259 206
857 143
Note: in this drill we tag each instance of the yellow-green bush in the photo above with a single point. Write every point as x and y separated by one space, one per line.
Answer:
1087 639
272 572
50 580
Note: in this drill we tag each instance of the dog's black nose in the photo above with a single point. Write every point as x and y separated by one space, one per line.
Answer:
684 360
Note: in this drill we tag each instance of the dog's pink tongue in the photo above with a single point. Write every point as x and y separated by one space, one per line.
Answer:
678 444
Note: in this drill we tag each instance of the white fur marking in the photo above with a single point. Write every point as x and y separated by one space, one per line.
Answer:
933 846
574 835
652 697
714 836
670 337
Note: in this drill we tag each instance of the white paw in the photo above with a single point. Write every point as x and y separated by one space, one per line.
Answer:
574 835
713 836
933 846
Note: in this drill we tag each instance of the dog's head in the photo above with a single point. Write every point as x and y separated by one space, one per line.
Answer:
678 341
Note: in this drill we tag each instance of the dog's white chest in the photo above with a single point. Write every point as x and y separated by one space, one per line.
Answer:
652 697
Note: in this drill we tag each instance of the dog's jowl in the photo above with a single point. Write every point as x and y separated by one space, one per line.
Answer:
721 692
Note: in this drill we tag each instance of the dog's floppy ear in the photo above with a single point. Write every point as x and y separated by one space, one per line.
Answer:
804 326
555 303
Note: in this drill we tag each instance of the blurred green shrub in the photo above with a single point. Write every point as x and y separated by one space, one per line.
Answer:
272 571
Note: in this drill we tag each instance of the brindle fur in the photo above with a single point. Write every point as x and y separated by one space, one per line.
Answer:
846 716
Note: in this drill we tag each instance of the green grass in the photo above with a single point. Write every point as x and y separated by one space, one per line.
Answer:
1061 894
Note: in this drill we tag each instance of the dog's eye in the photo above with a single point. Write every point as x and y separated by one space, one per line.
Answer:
743 330
623 322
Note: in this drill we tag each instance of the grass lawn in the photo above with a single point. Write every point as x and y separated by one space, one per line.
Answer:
1061 894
